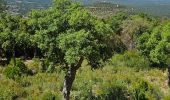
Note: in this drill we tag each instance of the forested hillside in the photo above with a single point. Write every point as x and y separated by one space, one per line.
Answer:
68 52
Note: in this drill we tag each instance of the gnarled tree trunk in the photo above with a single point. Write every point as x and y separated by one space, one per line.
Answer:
69 79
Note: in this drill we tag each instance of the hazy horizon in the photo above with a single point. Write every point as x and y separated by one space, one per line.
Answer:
155 7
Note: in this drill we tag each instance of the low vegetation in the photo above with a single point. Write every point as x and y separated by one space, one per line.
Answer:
65 52
110 82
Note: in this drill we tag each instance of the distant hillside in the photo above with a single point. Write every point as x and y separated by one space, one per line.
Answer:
105 9
153 7
23 6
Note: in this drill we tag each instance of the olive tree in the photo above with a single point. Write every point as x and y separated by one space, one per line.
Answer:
67 34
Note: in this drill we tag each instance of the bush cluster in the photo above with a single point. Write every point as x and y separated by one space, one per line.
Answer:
13 72
130 59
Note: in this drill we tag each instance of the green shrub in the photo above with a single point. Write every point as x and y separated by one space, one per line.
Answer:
90 85
44 65
130 59
116 91
34 64
12 72
47 66
49 96
113 83
10 90
51 68
20 64
15 72
142 90
24 83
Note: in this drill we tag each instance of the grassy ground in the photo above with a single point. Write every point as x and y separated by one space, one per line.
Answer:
99 84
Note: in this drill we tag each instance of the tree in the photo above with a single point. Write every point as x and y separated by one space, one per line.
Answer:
156 45
135 26
116 21
12 35
23 37
9 26
68 34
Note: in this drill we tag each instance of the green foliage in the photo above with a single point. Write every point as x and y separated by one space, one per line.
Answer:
34 64
12 72
109 82
142 90
155 45
14 35
66 41
9 30
47 66
42 85
113 83
67 35
135 26
166 98
116 91
49 96
10 90
15 72
19 64
130 59
116 21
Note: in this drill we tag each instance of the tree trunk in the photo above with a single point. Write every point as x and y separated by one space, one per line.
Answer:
69 79
35 52
25 54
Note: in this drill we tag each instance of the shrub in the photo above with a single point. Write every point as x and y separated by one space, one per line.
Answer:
130 59
47 66
116 91
142 90
114 83
12 72
10 90
51 68
20 64
91 85
34 64
44 65
49 96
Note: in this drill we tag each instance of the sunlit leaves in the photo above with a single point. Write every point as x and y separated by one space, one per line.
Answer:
75 44
68 32
156 45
